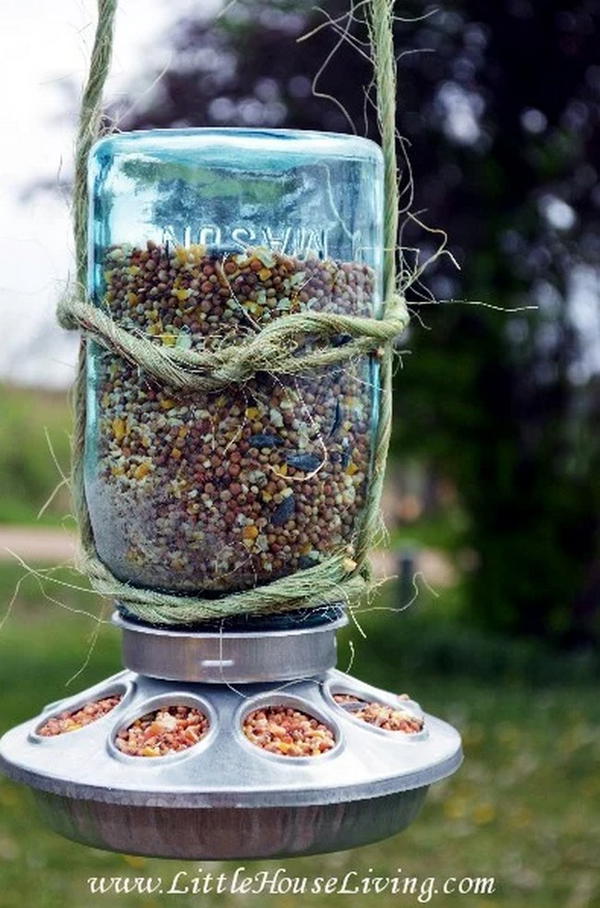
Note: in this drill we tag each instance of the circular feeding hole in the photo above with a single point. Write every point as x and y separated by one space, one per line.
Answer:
166 730
74 719
288 732
381 715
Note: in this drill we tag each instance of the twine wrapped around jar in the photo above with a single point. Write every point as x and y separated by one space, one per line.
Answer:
276 349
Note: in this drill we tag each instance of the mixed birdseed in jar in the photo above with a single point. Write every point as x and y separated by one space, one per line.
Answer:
381 715
168 730
222 491
75 719
288 732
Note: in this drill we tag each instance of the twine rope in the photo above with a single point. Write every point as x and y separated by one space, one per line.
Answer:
276 348
273 349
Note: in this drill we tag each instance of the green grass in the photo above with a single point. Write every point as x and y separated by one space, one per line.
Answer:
524 808
28 474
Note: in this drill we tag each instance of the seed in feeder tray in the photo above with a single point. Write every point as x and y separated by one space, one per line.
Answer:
72 721
164 731
288 732
382 715
226 490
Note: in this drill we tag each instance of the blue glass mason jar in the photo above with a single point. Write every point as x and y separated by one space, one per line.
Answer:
200 237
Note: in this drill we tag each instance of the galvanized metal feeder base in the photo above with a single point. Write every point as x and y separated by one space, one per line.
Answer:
225 798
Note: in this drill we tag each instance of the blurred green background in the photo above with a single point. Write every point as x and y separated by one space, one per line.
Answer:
493 493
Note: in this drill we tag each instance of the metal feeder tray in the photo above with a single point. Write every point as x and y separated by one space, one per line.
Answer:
225 798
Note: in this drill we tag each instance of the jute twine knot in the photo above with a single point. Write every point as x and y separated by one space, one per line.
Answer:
279 348
294 344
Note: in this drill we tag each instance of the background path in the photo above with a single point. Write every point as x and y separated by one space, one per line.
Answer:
47 544
55 545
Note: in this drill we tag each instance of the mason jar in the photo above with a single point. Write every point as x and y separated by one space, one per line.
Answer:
199 238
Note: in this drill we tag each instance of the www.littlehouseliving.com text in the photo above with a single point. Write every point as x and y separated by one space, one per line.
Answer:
280 882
